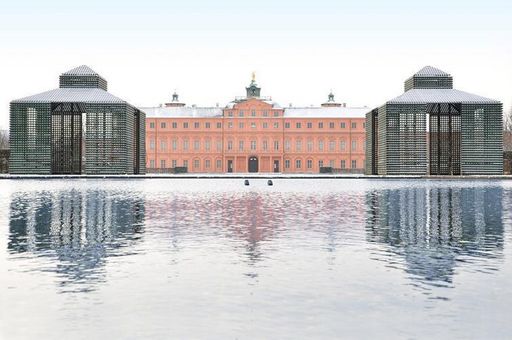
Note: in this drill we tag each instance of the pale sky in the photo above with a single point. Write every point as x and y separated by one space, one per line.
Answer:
363 50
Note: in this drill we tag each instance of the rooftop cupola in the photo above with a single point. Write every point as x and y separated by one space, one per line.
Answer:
429 78
330 101
175 101
82 77
253 91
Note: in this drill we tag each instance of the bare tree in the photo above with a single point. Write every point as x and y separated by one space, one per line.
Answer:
507 130
4 139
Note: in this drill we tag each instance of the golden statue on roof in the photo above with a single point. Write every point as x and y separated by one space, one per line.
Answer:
253 76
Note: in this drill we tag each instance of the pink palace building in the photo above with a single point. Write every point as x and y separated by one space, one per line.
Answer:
255 134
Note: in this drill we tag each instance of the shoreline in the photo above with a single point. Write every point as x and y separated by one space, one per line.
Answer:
256 176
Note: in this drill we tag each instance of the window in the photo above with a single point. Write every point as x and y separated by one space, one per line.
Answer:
230 113
332 146
342 145
230 145
219 125
320 164
287 163
241 145
276 145
298 163
162 164
354 145
320 125
185 144
310 145
320 145
241 113
218 164
174 144
265 145
310 125
253 113
163 125
207 164
310 164
265 125
174 163
230 125
253 145
287 125
276 125
207 145
219 145
298 125
152 163
298 145
354 164
196 145
331 163
152 144
207 125
287 145
265 113
152 125
342 125
343 164
185 163
253 125
364 125
163 145
185 125
331 125
196 163
354 125
241 125
174 125
196 125
276 113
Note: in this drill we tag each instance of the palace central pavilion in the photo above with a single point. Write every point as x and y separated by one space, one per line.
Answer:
433 129
78 128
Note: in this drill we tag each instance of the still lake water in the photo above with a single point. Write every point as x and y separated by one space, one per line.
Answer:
119 259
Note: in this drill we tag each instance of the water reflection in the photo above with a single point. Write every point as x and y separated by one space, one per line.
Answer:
78 228
434 229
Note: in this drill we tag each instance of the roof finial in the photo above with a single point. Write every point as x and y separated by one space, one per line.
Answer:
253 76
331 97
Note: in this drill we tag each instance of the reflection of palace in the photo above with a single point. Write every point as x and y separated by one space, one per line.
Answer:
78 227
432 227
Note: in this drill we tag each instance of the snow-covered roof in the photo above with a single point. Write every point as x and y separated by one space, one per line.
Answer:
429 71
182 112
82 70
326 112
421 96
89 95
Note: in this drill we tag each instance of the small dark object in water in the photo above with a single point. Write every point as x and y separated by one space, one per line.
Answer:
269 182
246 182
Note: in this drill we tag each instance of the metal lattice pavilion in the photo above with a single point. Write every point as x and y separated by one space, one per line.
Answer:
78 128
433 129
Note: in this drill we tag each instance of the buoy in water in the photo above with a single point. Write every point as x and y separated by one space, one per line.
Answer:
269 182
246 182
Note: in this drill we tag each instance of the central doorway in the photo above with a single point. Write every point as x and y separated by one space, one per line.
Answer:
230 165
66 138
253 164
276 165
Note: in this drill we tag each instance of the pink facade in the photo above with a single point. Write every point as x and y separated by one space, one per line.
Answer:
255 135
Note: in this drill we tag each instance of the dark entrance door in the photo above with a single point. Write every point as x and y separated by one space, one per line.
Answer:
253 164
276 166
230 165
66 137
445 130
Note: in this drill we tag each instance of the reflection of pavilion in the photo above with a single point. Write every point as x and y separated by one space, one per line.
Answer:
432 227
79 228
